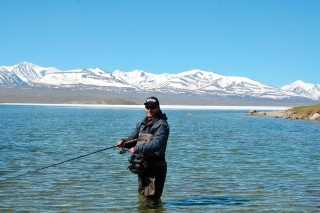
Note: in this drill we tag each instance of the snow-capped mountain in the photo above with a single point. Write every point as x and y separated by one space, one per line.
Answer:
89 77
199 81
9 78
307 90
193 81
23 74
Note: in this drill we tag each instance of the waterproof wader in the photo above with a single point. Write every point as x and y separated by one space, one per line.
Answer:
151 181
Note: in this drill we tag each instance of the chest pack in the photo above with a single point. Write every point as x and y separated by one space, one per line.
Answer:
144 138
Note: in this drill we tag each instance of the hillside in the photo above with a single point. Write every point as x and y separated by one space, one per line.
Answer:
304 112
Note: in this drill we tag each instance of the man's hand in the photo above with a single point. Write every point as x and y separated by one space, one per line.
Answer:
121 143
132 150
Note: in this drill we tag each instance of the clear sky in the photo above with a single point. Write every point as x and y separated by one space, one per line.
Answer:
272 41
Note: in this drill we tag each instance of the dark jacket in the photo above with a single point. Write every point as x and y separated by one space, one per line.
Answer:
157 126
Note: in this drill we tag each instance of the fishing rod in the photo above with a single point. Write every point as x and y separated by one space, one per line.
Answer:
81 156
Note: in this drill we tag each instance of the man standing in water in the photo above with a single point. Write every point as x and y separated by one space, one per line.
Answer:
148 154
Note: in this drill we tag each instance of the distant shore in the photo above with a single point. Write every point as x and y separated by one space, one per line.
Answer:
276 114
310 112
162 106
106 97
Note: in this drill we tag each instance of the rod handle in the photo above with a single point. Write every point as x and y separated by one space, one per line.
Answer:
132 141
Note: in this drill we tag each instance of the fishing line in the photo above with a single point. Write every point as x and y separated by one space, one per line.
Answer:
121 152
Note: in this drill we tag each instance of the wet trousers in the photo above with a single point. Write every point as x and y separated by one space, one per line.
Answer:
151 182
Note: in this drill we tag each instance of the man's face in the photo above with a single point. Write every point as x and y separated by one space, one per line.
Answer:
151 110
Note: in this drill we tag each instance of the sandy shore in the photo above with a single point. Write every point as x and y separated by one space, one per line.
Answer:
276 114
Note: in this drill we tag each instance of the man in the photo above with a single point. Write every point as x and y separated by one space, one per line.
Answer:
152 134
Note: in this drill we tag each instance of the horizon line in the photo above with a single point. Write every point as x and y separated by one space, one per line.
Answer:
200 107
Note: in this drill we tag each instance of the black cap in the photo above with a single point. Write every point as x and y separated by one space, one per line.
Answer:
153 101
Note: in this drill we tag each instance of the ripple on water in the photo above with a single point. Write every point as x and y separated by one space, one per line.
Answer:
218 161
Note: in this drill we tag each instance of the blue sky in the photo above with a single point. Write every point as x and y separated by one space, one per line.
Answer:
272 41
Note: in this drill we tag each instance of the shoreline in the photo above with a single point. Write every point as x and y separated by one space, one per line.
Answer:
161 106
286 114
276 114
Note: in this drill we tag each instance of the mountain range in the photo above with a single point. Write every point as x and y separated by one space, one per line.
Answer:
196 82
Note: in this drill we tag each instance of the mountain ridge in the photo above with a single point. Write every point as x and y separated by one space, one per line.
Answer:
198 82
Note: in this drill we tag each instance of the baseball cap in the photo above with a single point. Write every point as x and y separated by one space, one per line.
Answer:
152 100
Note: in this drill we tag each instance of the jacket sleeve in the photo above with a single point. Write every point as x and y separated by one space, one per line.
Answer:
159 141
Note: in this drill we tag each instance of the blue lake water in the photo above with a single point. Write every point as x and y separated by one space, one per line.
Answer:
218 161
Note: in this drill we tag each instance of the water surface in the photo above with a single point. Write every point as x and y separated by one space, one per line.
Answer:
218 161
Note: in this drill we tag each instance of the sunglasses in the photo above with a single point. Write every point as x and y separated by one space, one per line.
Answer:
150 107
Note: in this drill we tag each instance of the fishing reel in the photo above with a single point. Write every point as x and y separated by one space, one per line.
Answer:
123 151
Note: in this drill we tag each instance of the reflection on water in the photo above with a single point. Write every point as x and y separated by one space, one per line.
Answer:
218 161
150 206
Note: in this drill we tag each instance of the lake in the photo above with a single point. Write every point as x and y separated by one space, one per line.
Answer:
218 161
